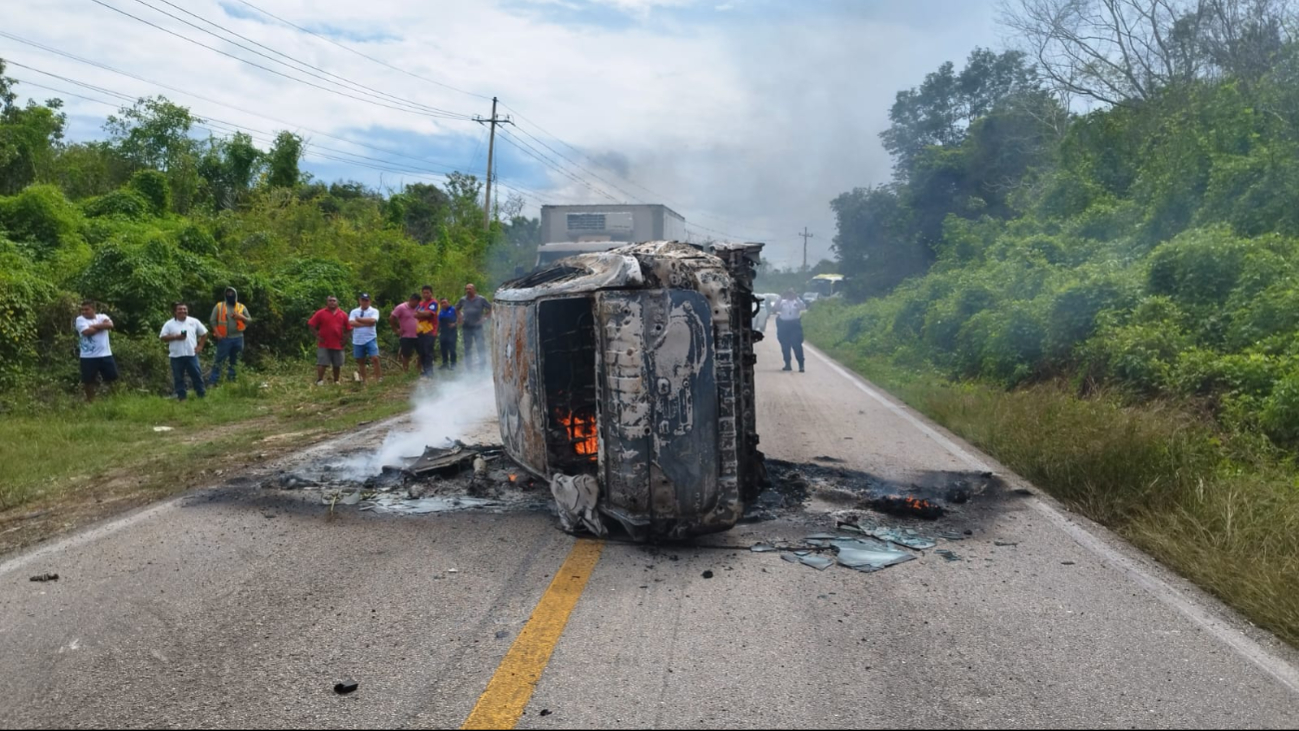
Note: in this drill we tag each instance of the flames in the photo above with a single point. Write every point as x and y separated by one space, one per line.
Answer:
581 433
514 478
907 506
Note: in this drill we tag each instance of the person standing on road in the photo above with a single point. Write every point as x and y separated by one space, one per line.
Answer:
96 353
789 327
447 333
329 323
365 336
185 337
229 318
406 328
426 312
471 312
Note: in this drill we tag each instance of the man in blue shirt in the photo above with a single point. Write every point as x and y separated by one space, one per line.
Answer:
447 334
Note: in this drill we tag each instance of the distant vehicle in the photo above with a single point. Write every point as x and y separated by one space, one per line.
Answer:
765 305
810 297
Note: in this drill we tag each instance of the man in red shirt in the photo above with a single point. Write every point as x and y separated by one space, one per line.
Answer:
329 323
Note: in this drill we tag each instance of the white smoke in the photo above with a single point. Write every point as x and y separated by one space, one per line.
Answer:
456 407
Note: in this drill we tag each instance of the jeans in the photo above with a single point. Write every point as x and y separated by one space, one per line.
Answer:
447 341
425 347
187 365
790 335
473 335
228 349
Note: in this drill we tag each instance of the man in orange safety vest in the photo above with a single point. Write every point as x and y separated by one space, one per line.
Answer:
229 319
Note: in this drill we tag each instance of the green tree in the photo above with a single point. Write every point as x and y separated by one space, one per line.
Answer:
29 136
282 161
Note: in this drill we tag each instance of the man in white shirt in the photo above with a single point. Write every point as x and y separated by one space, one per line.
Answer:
789 327
365 336
96 353
185 337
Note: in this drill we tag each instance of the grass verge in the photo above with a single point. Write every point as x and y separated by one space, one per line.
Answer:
72 463
1221 509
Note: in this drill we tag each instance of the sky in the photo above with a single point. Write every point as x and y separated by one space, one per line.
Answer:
746 116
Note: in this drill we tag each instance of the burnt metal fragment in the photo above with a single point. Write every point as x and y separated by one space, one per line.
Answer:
346 686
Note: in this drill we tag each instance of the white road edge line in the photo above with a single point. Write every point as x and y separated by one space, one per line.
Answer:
113 526
1277 667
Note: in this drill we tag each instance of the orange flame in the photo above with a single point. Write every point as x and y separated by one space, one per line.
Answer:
582 432
513 478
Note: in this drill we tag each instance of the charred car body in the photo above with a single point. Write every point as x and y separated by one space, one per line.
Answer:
625 378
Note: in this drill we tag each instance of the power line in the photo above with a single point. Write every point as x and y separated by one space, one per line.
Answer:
362 55
532 152
293 125
299 62
268 69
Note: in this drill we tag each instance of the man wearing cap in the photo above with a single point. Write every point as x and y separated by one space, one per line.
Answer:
365 336
229 318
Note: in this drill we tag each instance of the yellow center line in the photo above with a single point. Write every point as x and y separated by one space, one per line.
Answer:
511 687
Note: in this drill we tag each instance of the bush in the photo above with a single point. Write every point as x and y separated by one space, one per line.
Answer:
1280 414
1137 357
42 218
1199 267
153 187
122 203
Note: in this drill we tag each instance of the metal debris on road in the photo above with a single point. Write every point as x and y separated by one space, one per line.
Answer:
45 577
346 686
761 548
708 574
1005 544
948 535
949 555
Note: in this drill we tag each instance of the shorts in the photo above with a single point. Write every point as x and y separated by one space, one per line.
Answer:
93 367
365 350
409 346
329 357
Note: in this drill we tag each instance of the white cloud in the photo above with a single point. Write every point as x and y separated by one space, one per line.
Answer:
748 121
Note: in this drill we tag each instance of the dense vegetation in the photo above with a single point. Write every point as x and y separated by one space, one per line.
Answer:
153 214
1105 301
1149 246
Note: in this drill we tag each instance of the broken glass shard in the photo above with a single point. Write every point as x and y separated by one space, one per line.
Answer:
868 556
949 555
761 548
900 537
820 563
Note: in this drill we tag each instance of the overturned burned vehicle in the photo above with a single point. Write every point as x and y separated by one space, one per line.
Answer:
625 378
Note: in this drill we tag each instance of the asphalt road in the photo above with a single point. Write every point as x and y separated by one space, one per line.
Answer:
242 607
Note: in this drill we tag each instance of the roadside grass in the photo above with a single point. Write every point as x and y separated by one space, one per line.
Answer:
69 452
1221 509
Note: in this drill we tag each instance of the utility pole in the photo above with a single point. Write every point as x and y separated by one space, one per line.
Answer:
805 236
491 149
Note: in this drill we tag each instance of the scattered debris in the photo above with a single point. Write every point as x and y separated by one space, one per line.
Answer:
453 571
46 577
761 548
949 535
831 460
545 712
949 555
502 634
436 460
346 686
163 428
1067 563
708 574
424 506
820 563
1004 544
